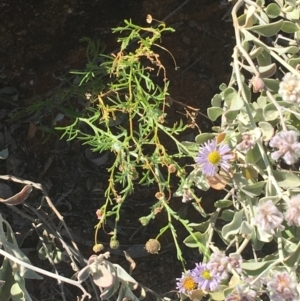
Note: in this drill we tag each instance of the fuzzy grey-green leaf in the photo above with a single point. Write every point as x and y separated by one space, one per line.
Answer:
227 215
204 137
273 10
271 84
214 113
255 268
267 30
267 130
289 27
290 49
254 189
286 179
267 71
223 203
233 228
229 94
216 100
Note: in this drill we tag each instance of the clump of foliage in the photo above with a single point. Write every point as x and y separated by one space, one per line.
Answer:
254 156
126 116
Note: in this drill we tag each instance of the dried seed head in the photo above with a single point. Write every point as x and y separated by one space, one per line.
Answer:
152 246
157 210
159 195
161 119
172 168
98 248
118 199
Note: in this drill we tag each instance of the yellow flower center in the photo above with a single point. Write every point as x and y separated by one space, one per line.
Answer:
189 284
214 158
206 275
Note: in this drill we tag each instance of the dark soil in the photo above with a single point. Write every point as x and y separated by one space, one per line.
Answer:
40 42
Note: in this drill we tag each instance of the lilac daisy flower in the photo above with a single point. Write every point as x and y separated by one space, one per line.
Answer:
288 146
212 156
186 283
205 280
292 214
283 286
268 217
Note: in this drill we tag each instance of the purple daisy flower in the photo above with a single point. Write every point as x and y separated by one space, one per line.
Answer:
212 156
186 283
283 286
204 278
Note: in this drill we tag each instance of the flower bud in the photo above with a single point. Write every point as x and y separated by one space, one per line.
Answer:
114 244
180 173
257 83
144 220
134 174
99 214
118 199
152 246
